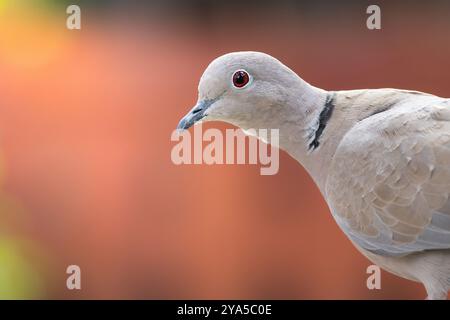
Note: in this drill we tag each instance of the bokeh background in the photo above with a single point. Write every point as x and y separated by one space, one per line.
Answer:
85 171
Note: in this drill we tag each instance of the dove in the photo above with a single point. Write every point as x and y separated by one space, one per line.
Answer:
380 157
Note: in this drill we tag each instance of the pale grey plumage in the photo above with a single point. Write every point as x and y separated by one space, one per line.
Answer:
393 199
381 158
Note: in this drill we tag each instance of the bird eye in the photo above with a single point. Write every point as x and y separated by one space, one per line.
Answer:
240 78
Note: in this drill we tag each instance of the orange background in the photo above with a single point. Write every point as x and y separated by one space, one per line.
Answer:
86 176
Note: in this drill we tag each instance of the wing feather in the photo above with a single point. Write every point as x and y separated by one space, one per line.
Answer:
389 181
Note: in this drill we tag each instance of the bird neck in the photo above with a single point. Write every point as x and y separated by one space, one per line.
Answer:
327 117
302 115
304 131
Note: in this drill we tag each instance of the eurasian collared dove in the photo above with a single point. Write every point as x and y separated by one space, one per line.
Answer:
381 157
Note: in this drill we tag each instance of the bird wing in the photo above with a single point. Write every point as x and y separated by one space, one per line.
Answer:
389 182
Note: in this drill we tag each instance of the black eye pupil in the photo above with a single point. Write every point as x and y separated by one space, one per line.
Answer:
240 78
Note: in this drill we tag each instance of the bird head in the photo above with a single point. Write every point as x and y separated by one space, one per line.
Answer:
245 89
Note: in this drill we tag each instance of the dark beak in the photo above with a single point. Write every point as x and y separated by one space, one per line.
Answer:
196 114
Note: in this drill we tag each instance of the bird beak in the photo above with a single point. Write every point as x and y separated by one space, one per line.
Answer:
196 114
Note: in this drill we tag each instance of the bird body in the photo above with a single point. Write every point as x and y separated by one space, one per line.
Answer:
380 157
388 187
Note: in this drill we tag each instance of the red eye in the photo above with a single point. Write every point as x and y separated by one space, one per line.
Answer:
240 78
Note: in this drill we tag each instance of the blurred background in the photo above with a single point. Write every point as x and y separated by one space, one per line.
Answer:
85 171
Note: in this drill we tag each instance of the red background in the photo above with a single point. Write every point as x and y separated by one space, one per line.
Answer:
86 175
